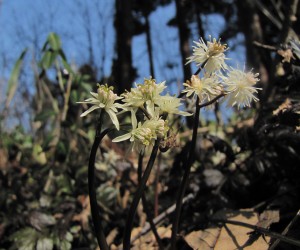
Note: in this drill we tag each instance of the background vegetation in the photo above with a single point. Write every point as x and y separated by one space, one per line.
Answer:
245 159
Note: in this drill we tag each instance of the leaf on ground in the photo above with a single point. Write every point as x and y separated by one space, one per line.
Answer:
83 216
237 237
40 220
203 239
44 244
232 237
267 218
147 241
112 235
25 239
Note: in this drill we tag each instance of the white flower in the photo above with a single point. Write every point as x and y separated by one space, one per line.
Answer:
206 88
148 91
104 99
211 54
144 134
240 86
170 104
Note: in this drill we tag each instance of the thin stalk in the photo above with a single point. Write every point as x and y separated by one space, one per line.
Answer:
137 197
212 100
156 186
285 231
260 230
145 203
185 178
91 183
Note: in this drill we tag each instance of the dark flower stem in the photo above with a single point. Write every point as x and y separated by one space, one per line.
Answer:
212 100
185 178
145 203
137 197
91 183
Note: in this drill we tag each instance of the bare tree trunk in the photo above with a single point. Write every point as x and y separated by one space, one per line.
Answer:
198 19
290 17
251 26
123 73
184 34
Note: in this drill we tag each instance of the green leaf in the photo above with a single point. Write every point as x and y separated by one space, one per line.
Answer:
25 239
44 244
13 80
54 41
44 115
74 96
41 220
69 237
65 245
38 155
48 59
65 62
46 142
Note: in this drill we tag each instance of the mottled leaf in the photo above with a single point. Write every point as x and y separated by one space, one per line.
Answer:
44 244
40 220
25 239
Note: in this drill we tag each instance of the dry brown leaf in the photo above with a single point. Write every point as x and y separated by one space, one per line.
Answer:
286 54
267 218
143 242
3 159
233 237
148 241
203 239
287 104
164 232
83 217
111 236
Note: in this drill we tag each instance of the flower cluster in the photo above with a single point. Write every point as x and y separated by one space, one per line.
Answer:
104 99
148 97
144 134
210 56
240 87
206 88
215 81
219 79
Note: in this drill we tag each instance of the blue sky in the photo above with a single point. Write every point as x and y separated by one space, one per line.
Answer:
27 24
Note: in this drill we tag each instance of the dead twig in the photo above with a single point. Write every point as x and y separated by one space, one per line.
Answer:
285 231
260 230
157 220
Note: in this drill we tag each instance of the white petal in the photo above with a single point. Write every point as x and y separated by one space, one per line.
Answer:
119 105
90 100
122 137
133 119
184 113
113 118
94 94
89 110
